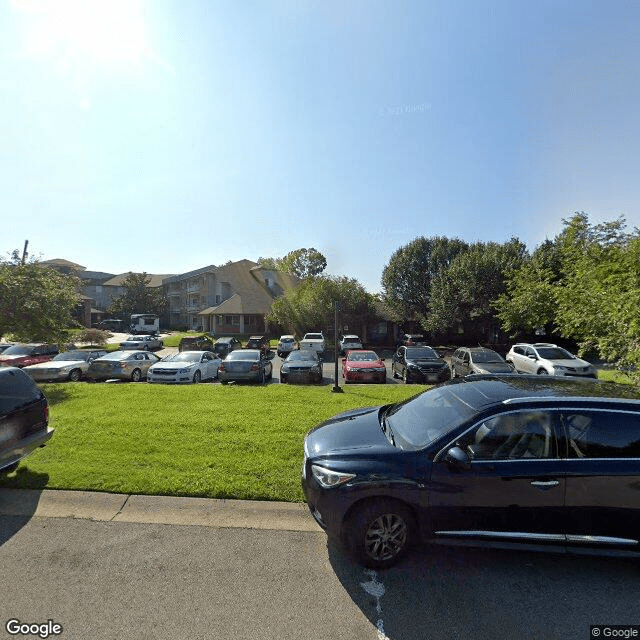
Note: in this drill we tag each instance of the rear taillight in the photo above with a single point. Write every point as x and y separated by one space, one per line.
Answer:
46 414
255 367
221 368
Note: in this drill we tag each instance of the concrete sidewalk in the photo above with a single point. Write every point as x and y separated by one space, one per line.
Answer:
245 514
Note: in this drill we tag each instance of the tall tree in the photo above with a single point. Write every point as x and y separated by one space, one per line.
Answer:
139 297
310 307
463 293
37 303
407 278
529 301
303 263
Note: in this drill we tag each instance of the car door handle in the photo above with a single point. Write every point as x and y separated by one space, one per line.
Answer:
545 484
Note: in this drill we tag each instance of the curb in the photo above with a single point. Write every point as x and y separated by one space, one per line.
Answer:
111 507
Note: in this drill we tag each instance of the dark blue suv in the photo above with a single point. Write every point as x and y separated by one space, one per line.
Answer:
503 458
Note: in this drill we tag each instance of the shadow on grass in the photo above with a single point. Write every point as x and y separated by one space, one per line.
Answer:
19 496
453 592
56 393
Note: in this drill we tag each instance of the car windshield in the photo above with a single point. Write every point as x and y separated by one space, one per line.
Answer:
118 355
554 353
244 355
184 356
486 357
286 340
298 356
73 355
18 350
421 353
313 336
362 356
135 338
423 419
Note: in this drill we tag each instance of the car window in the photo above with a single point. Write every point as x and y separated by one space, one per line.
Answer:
16 389
512 436
518 350
603 434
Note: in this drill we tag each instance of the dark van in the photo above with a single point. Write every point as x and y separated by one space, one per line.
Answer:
24 417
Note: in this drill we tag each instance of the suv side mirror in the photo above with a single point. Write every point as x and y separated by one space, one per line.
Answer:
457 458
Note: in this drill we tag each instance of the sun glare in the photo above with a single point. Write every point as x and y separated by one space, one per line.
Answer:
110 32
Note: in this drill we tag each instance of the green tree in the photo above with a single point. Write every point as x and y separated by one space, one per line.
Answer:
598 298
463 293
37 303
139 297
407 278
310 307
529 302
303 263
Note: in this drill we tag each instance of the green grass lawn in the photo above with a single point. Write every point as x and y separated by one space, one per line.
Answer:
242 442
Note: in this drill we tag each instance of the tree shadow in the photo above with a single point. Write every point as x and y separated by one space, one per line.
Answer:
57 393
461 592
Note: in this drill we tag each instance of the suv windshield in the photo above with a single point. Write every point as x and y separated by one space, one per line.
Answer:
421 353
554 353
486 356
422 420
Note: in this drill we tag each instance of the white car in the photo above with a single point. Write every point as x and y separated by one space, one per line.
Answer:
185 367
286 345
70 365
314 342
548 359
350 342
144 343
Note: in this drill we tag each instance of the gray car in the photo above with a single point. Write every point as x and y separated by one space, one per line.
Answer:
468 360
144 342
245 365
122 365
544 358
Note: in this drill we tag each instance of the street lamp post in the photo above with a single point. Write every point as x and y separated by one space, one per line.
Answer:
336 387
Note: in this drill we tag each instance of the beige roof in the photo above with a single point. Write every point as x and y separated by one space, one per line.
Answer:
117 281
251 294
59 262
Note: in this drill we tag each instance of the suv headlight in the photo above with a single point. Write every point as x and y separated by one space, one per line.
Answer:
328 478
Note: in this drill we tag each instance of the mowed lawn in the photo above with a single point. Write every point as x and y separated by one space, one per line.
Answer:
242 442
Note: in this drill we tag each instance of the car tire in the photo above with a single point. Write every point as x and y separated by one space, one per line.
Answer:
197 376
263 378
405 377
136 375
224 382
543 372
379 532
75 375
146 347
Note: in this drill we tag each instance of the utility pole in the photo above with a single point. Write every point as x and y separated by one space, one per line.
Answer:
24 251
336 387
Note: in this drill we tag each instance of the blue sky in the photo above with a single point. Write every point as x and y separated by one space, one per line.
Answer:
166 136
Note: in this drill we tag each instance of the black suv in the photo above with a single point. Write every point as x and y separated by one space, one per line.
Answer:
24 417
259 342
224 346
196 343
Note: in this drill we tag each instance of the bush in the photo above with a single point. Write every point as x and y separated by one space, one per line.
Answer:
93 336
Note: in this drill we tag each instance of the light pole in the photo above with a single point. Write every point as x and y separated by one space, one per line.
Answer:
336 387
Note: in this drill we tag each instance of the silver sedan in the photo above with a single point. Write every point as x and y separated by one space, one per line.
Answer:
123 365
145 342
70 365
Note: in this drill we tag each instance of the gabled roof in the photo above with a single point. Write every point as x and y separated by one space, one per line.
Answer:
118 281
59 262
251 295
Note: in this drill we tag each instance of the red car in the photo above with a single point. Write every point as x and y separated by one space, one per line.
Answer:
363 366
22 355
